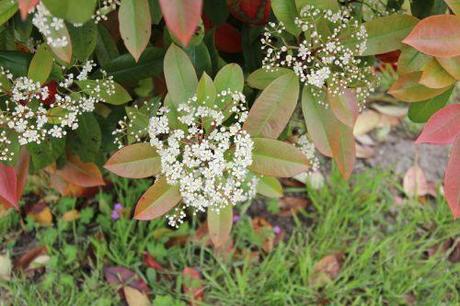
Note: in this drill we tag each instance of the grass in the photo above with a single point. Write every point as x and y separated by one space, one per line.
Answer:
386 250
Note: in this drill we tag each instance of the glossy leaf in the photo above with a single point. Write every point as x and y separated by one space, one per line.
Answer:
436 36
182 17
273 108
220 225
63 53
119 97
420 112
261 78
451 65
7 10
454 5
229 77
124 68
73 11
8 186
270 187
135 161
408 89
81 174
206 91
200 57
286 12
276 158
180 75
84 39
135 25
452 179
330 136
435 76
321 4
157 201
385 33
443 127
411 60
345 107
41 64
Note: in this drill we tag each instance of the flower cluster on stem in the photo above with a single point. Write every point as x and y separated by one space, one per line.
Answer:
207 159
325 55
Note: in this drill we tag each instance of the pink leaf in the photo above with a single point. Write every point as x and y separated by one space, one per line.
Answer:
436 36
8 186
415 183
25 6
452 179
443 126
182 17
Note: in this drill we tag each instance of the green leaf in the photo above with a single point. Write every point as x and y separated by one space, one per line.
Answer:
320 4
180 75
86 140
385 33
45 153
270 187
106 48
425 8
408 89
330 136
139 119
63 53
286 12
16 62
124 69
73 11
229 77
119 97
261 78
84 40
454 5
420 112
135 25
135 161
411 60
274 107
276 158
41 64
157 201
206 91
7 10
56 114
435 76
200 57
220 225
155 11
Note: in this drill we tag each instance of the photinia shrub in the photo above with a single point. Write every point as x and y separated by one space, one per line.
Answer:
213 99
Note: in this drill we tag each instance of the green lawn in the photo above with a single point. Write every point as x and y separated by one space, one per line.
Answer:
387 253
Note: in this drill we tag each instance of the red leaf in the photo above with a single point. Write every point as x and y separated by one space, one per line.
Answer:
389 57
452 179
250 11
182 17
436 36
122 276
8 186
443 127
25 6
150 262
193 285
228 39
81 174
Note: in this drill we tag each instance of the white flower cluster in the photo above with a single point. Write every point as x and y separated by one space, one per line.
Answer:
49 26
319 56
309 150
206 159
106 7
128 129
34 112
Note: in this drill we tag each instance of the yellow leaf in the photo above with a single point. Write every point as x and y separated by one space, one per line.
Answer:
136 298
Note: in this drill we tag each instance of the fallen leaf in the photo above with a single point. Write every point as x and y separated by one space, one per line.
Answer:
291 205
193 285
24 261
391 110
365 139
5 267
41 214
366 122
326 270
136 298
265 230
122 277
150 262
71 215
364 152
415 183
39 262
